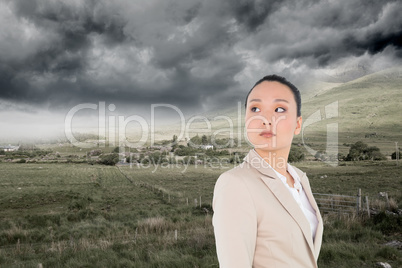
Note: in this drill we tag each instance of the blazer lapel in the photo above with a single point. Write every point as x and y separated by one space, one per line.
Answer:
283 195
320 228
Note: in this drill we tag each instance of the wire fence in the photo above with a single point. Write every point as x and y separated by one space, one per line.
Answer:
342 204
171 196
327 203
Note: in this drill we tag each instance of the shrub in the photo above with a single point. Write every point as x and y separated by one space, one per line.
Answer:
43 220
95 152
361 151
296 154
189 160
183 151
376 155
393 155
387 223
388 253
109 159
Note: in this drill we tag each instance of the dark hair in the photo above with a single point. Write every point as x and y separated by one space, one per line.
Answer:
282 80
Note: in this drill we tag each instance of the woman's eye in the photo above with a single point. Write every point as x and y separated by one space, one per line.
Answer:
255 109
280 110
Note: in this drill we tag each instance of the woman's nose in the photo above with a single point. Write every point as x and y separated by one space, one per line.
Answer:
267 119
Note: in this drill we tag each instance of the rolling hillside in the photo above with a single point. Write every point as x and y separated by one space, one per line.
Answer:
369 109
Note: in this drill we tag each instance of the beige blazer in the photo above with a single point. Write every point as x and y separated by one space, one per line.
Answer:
258 223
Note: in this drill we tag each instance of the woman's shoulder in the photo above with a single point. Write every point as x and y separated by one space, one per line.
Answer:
239 174
238 171
239 179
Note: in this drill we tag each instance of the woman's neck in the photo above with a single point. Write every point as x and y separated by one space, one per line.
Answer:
278 160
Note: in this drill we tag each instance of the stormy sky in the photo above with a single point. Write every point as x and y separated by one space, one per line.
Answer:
196 55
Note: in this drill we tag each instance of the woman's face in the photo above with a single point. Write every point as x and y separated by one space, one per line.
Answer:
271 116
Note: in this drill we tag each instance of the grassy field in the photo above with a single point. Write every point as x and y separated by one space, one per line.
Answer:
80 215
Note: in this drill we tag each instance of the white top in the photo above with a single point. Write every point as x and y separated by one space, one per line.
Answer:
300 196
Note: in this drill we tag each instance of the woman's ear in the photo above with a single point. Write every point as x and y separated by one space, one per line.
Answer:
298 125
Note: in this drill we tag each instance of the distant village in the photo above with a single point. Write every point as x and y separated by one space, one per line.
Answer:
196 150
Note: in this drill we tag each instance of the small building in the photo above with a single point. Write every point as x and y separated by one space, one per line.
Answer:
208 146
9 148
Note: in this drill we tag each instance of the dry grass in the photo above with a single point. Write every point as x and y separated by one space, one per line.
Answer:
122 224
15 231
382 204
378 204
154 225
393 204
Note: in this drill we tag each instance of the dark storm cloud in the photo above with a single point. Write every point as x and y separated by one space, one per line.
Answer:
253 13
330 30
61 57
191 53
73 27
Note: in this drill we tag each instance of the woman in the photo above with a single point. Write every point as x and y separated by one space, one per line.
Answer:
264 212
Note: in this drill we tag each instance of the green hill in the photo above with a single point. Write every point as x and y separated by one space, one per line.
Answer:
368 109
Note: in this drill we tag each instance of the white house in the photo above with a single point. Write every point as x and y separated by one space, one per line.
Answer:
9 148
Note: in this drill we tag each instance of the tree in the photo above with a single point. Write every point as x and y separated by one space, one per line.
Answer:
196 140
174 143
393 155
361 151
374 153
204 140
357 151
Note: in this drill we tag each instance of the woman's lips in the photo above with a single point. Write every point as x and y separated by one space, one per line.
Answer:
267 134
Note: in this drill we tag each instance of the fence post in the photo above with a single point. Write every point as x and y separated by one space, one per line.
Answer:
18 245
200 201
386 197
368 206
359 200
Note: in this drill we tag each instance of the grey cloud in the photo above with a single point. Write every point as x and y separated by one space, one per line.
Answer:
68 55
188 53
329 31
344 14
253 13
